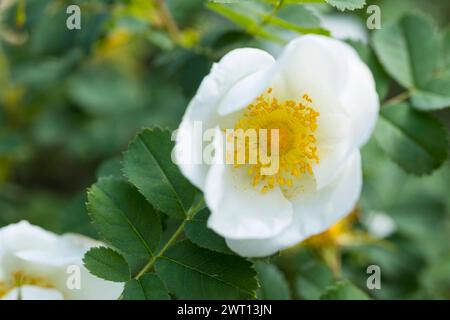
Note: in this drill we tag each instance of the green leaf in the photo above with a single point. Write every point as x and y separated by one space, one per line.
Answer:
416 141
436 280
433 95
124 218
148 165
233 15
313 276
347 4
191 272
103 90
254 16
298 19
46 40
296 1
183 11
344 290
409 50
446 48
110 167
273 283
147 287
299 15
230 12
198 232
243 15
107 264
46 73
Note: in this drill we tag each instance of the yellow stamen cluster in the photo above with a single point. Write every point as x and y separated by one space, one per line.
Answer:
4 288
336 235
296 122
19 279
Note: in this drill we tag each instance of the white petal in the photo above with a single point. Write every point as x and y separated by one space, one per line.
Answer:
354 87
343 91
309 65
361 100
24 247
188 152
91 287
33 293
335 146
313 213
318 211
257 248
45 259
37 252
238 210
24 236
246 90
79 241
232 68
42 254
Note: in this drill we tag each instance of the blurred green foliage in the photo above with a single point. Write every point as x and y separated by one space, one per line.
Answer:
71 100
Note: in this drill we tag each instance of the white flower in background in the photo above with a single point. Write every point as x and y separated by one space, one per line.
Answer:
341 26
345 27
322 99
36 265
380 225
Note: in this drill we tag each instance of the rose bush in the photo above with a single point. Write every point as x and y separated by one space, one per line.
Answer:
72 99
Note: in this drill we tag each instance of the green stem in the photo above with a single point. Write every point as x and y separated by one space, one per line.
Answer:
397 99
168 244
173 30
168 20
189 215
267 18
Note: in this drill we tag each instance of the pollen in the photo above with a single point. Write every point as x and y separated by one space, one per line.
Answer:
4 288
19 279
297 151
337 235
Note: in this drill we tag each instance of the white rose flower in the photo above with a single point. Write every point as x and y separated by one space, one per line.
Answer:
321 97
38 265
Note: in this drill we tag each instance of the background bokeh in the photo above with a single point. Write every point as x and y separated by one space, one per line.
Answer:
70 100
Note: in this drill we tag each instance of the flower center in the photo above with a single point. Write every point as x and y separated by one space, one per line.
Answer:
19 279
295 144
284 136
